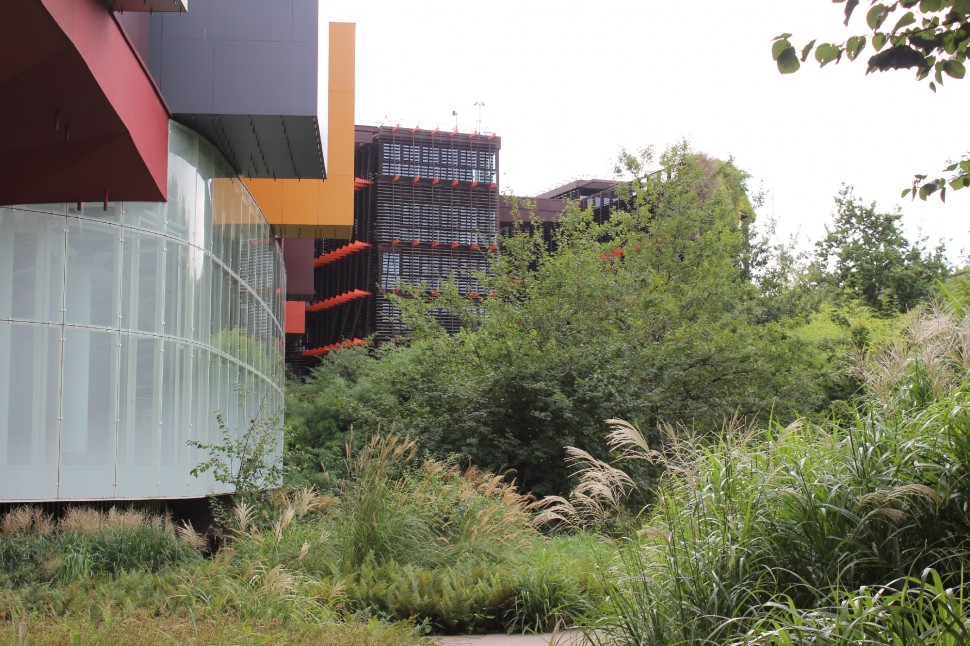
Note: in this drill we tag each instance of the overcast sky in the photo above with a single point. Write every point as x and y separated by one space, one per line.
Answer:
567 84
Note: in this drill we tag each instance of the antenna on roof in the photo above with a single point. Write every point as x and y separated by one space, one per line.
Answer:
454 113
480 105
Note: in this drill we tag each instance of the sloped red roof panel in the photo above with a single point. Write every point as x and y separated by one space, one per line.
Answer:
82 120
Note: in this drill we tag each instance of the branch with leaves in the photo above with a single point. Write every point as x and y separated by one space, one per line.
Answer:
932 36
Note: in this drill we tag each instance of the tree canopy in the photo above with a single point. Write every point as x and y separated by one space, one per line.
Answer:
866 255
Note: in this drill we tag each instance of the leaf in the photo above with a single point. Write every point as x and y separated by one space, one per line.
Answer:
782 37
826 53
879 40
788 61
897 58
962 6
855 45
908 19
877 14
961 181
906 192
778 47
930 5
806 49
849 8
954 69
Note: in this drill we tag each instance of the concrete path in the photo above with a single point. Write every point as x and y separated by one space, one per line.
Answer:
566 638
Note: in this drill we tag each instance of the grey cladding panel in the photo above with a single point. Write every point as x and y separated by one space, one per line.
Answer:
187 76
255 20
265 78
305 16
238 57
246 20
244 74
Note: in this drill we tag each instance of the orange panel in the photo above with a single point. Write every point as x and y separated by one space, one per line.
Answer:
337 193
313 208
301 204
268 194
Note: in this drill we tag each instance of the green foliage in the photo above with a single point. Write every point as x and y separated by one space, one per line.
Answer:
930 36
921 611
674 328
405 539
183 629
350 388
420 539
763 536
85 544
867 256
458 599
249 462
840 334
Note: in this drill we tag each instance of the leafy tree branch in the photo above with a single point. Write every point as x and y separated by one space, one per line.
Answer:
930 36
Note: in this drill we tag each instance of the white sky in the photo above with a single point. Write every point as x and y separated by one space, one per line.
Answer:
567 84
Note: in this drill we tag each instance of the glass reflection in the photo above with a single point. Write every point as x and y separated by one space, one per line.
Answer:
127 331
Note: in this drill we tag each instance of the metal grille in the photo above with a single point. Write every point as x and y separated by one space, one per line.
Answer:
431 215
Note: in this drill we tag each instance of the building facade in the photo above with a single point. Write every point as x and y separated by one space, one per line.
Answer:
598 195
426 209
158 150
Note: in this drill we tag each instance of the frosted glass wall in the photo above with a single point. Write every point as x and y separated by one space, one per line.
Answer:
123 333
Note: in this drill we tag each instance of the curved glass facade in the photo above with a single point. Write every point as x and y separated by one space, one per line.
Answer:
125 332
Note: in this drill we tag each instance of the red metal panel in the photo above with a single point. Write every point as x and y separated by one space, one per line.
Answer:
298 260
81 118
295 317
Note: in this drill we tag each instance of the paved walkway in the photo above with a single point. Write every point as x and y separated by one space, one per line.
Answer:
567 638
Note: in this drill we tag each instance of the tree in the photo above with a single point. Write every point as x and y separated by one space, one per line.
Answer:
930 36
868 256
651 315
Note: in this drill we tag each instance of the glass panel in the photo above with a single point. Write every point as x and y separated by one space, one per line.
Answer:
92 276
214 324
202 418
202 286
142 293
96 211
182 183
28 411
147 402
174 317
217 188
32 260
89 411
130 401
145 215
171 427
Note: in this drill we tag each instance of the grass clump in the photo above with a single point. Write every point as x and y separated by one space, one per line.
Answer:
86 543
149 627
412 538
852 529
